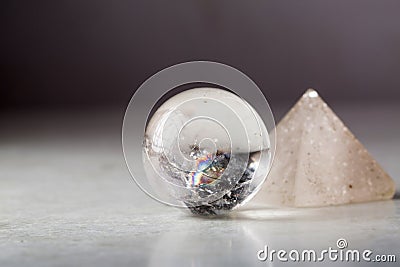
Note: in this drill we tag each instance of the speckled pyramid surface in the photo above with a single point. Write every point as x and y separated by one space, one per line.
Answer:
319 162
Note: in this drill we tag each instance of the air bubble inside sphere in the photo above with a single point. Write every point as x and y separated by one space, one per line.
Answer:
206 149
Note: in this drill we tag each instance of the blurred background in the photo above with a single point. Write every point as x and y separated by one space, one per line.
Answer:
82 54
69 68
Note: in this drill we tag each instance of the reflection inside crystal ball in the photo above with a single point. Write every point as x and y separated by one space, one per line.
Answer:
206 148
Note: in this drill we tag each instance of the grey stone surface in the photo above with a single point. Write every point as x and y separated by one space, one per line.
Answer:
66 199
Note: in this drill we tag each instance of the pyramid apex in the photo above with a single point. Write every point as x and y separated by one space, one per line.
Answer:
310 93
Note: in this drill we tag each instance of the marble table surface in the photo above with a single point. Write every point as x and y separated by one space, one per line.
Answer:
67 199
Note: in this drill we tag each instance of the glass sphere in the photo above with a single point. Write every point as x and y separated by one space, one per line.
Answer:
206 149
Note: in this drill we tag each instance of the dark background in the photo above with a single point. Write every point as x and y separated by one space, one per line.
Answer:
79 54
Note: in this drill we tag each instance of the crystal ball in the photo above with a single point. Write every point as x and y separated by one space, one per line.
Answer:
206 149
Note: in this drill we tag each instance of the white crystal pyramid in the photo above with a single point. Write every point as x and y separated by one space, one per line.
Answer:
319 162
